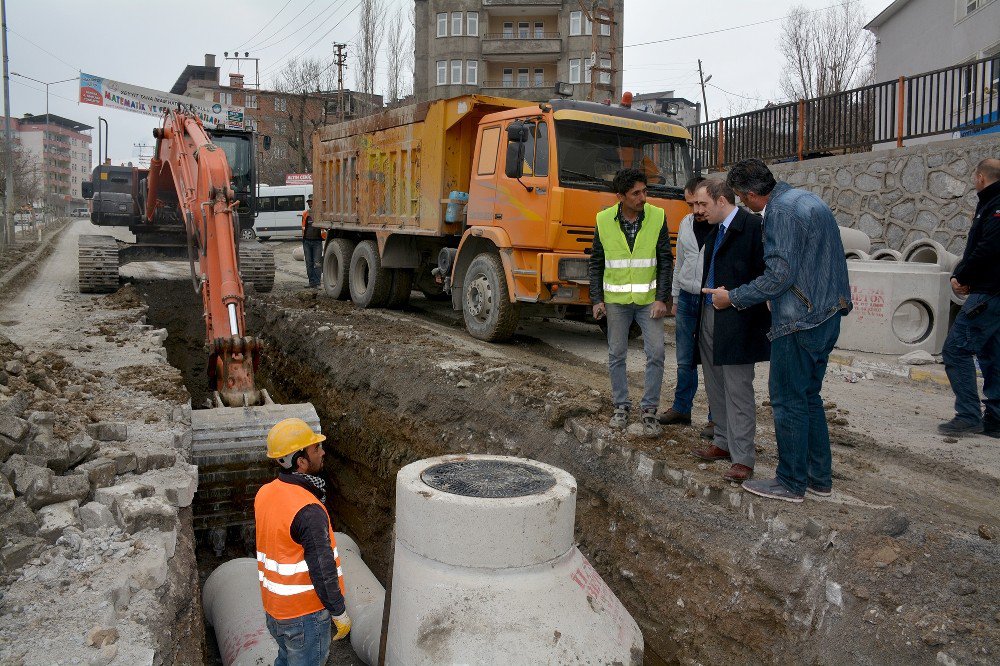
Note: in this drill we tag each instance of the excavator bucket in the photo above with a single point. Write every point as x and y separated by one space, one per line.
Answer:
222 436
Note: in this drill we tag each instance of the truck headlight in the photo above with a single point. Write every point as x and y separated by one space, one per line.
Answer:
573 269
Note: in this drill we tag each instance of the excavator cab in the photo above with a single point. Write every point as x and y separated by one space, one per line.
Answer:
239 148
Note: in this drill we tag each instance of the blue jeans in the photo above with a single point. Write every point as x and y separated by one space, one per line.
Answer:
313 255
620 318
302 641
798 363
685 326
977 336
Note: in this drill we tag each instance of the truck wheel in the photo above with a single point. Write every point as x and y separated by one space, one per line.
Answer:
248 234
402 285
368 281
489 314
337 267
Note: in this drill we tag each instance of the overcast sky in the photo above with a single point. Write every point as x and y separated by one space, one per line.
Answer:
148 44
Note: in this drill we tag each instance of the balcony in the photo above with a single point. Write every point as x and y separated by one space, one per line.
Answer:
513 47
522 3
539 91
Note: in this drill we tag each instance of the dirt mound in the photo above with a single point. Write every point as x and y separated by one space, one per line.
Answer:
126 298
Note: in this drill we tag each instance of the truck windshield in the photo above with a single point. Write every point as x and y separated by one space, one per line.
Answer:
590 155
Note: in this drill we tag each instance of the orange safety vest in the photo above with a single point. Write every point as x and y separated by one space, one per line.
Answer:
305 215
285 586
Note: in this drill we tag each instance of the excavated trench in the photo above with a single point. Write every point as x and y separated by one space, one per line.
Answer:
707 579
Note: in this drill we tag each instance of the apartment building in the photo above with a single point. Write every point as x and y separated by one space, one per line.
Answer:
60 149
288 118
525 49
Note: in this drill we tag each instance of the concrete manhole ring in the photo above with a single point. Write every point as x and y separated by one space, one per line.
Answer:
488 478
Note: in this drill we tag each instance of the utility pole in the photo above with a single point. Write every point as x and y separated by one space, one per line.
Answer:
704 100
246 56
599 15
7 238
340 57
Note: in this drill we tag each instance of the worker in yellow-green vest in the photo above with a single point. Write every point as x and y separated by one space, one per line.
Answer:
630 272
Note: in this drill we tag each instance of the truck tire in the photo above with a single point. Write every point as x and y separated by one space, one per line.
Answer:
402 285
337 268
368 281
489 314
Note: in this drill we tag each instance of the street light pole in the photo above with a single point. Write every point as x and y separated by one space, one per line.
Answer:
45 135
7 237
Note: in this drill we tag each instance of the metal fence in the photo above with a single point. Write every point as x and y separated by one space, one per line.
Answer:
961 100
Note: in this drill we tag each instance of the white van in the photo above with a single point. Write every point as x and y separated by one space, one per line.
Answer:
279 210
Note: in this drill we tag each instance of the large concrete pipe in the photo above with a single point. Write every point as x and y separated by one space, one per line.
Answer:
885 254
365 598
856 255
486 570
927 251
233 608
855 239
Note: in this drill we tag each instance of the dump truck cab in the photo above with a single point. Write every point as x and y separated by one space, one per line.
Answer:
540 176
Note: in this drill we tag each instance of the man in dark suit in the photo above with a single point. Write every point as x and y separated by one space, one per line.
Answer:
730 342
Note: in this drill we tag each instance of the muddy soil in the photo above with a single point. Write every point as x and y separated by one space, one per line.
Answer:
886 571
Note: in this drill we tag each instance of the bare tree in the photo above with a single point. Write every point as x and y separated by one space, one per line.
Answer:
27 178
300 75
826 52
370 37
399 43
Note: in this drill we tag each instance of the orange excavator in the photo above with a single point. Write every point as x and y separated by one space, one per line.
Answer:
185 207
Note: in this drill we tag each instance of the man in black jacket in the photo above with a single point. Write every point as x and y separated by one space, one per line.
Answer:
976 331
731 341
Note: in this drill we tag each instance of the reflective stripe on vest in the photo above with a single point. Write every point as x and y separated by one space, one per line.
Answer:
630 275
286 588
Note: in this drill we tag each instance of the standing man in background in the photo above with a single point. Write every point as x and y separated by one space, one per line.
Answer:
630 270
312 246
976 331
297 562
686 293
806 283
731 342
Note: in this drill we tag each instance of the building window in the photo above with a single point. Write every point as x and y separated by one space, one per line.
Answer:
522 77
508 77
279 152
251 101
588 27
472 72
280 104
442 25
456 71
539 29
225 98
574 70
606 75
539 77
442 72
472 24
606 29
522 30
508 31
575 24
456 24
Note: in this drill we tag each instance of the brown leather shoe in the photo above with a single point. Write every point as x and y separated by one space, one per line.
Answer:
738 473
670 417
708 432
712 453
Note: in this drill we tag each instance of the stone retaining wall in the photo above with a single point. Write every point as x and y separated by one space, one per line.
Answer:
901 195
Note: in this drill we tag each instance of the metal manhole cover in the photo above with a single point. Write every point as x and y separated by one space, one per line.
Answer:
488 478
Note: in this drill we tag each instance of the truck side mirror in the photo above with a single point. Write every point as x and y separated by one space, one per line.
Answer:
517 136
87 189
267 142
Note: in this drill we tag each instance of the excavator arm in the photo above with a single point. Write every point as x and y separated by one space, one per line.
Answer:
188 167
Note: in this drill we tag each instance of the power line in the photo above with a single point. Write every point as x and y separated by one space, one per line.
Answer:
735 27
266 44
264 26
42 90
321 38
73 67
754 99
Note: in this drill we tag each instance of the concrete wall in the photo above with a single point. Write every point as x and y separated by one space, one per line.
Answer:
898 196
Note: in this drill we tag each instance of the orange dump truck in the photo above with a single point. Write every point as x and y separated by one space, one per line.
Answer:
490 200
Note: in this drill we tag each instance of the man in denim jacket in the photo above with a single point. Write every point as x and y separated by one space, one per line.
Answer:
805 283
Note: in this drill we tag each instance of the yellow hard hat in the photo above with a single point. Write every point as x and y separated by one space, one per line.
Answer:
290 435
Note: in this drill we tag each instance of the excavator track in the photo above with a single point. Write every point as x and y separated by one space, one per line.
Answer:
98 260
257 265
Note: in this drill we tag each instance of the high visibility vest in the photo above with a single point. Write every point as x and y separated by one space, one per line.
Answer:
285 586
630 275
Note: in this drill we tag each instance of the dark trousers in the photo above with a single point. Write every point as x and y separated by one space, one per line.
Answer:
979 336
798 364
313 255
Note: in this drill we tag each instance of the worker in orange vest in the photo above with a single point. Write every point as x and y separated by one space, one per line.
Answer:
312 246
301 582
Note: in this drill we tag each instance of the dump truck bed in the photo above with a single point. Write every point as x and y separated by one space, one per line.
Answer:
395 171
